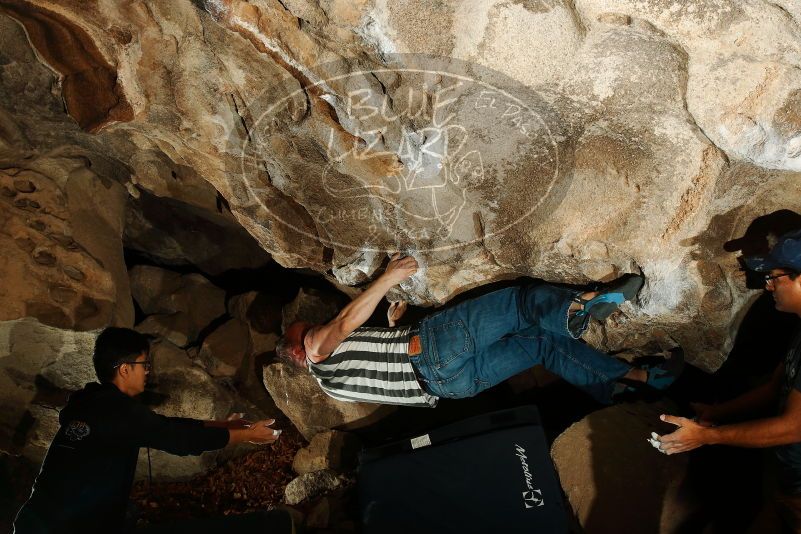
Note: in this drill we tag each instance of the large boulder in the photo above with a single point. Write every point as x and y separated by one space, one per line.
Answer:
300 398
42 431
151 288
62 206
312 306
224 350
615 480
172 232
310 485
159 290
181 305
333 450
30 350
167 358
262 313
175 328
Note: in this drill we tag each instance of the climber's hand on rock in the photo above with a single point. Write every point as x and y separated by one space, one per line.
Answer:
400 268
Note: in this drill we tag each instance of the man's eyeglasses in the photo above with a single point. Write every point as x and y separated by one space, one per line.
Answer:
147 363
769 278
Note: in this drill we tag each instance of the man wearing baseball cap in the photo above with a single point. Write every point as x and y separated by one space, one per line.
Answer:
782 432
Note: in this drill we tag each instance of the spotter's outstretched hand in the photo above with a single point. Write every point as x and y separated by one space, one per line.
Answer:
688 436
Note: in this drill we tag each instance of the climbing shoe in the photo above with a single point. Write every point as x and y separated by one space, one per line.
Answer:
611 297
663 375
662 372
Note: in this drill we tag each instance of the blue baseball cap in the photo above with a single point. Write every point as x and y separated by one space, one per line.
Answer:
785 254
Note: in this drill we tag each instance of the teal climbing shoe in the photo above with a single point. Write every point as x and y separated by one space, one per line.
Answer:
661 376
611 297
662 373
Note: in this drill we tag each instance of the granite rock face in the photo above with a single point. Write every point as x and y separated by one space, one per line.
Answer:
262 314
61 233
30 349
176 233
179 306
566 140
332 450
224 350
310 485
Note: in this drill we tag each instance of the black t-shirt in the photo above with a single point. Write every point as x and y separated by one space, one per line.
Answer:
789 456
86 477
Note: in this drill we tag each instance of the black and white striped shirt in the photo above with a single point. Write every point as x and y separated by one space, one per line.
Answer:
372 365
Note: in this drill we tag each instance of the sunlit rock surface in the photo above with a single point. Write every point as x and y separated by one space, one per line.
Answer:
571 141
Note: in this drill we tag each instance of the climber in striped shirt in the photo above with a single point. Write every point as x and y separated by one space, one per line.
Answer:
460 351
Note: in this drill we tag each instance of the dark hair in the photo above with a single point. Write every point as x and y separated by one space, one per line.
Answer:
115 346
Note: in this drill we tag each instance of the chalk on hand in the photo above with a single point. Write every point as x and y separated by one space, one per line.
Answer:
276 432
656 444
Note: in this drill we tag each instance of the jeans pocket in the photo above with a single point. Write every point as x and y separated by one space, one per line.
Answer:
448 342
461 385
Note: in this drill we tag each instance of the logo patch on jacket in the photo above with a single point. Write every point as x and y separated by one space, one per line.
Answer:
77 430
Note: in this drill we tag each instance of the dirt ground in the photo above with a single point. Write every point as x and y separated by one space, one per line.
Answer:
252 482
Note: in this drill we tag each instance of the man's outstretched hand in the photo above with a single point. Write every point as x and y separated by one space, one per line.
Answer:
260 432
688 436
400 268
235 420
257 433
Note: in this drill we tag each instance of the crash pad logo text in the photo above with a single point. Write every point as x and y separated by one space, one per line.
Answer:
532 497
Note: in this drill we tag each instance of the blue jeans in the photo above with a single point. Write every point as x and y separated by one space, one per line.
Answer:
482 342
